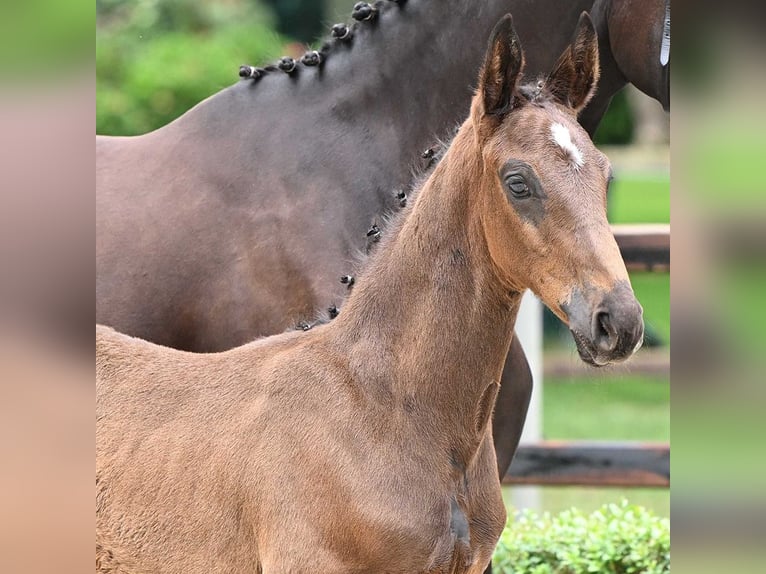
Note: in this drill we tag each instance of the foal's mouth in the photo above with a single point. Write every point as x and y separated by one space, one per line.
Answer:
586 350
590 355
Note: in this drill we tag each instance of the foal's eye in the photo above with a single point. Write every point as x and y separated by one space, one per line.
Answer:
517 186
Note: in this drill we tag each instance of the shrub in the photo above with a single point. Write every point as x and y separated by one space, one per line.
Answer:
618 124
616 539
155 60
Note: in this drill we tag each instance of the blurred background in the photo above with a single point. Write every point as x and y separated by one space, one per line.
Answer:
156 58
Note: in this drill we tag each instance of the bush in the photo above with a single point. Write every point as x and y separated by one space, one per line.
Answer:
617 125
616 539
155 60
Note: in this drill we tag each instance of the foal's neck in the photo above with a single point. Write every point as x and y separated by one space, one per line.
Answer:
429 323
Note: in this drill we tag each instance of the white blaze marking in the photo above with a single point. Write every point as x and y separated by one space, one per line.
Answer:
563 138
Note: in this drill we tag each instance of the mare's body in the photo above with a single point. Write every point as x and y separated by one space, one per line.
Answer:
629 45
365 444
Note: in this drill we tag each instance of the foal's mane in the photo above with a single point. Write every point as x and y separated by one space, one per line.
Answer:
365 15
392 221
389 222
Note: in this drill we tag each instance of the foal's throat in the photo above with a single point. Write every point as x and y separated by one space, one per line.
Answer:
429 324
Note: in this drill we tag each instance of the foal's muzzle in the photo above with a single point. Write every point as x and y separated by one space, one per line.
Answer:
607 327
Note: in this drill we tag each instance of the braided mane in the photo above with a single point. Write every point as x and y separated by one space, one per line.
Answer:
341 34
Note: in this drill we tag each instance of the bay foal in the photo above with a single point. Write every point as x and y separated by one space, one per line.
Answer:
364 445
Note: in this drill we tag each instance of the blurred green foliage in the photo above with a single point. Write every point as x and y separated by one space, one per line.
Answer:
617 539
617 406
44 37
618 124
155 59
300 19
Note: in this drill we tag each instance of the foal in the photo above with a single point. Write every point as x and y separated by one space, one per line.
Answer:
364 445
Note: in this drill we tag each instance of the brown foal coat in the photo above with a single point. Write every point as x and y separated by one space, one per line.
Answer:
365 445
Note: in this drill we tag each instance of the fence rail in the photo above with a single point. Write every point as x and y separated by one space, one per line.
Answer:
580 463
644 246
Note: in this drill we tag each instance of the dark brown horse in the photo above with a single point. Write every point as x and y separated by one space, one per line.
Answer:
634 46
237 219
365 445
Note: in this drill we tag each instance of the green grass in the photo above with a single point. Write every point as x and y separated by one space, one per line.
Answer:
653 292
556 499
626 407
640 200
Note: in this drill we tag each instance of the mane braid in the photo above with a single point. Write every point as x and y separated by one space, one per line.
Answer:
363 14
388 223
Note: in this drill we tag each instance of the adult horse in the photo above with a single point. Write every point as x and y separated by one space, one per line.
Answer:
337 450
237 219
634 46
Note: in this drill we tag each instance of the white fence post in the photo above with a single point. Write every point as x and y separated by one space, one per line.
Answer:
529 328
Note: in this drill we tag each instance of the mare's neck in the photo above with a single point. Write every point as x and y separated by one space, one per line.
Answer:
378 100
429 324
373 106
413 71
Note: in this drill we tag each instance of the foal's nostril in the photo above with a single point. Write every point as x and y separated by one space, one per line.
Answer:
604 334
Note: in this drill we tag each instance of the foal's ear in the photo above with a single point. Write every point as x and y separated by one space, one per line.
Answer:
502 69
574 78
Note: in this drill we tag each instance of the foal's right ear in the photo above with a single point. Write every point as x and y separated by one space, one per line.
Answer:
502 69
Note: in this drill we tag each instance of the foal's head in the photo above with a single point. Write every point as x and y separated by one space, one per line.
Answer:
543 194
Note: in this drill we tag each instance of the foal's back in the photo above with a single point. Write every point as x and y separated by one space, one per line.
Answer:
169 442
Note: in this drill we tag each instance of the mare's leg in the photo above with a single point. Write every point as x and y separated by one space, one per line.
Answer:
511 406
511 409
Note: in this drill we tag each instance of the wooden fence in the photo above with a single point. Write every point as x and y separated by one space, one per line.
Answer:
580 463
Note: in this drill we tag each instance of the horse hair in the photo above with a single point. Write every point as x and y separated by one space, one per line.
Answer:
340 33
391 221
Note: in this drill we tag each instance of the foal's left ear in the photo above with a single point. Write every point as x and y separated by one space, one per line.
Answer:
502 69
574 78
